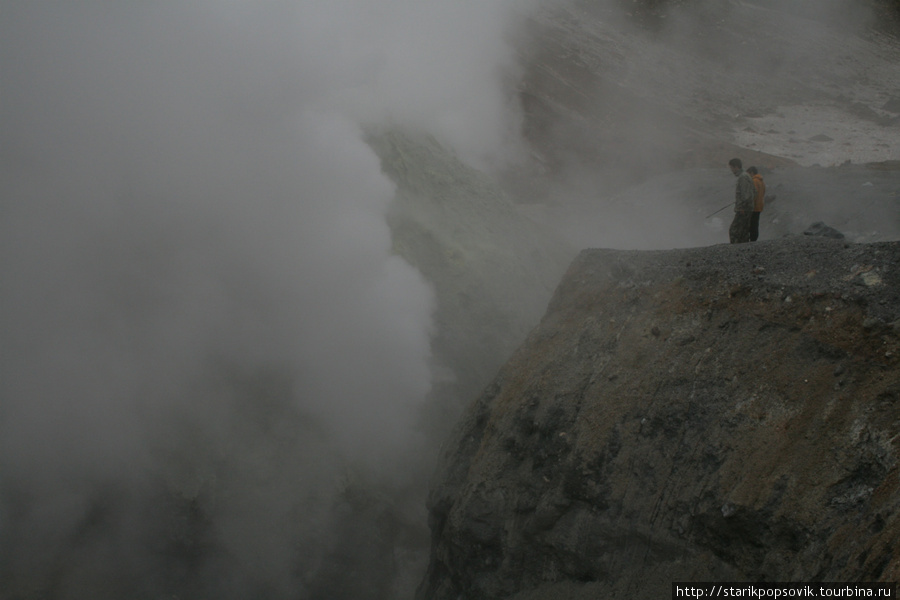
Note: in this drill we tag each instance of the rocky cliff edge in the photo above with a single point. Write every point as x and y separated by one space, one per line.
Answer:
719 413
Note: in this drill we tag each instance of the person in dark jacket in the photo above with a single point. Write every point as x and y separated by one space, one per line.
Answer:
758 201
744 194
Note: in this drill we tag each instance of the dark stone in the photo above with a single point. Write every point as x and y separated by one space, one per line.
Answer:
821 229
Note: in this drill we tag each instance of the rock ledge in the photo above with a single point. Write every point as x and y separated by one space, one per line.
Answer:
720 413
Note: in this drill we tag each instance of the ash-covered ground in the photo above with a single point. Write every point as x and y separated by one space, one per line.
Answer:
632 120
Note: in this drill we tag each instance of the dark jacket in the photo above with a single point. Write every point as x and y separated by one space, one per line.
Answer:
744 193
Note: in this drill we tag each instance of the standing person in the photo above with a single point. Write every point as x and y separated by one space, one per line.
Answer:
744 194
758 202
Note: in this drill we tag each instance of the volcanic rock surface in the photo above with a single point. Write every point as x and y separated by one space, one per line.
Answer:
719 413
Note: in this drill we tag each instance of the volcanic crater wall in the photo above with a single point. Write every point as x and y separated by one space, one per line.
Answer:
720 413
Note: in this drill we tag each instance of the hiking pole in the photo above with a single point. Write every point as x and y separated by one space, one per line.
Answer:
720 210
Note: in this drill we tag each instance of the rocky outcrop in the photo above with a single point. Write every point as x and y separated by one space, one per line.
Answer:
722 413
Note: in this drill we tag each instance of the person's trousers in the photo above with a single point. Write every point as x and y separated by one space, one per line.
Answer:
754 226
739 232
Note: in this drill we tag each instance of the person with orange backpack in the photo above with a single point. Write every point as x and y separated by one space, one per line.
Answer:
758 201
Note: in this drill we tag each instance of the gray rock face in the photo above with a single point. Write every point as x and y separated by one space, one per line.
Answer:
493 268
723 413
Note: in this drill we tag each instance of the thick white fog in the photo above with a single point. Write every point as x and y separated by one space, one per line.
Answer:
191 225
188 180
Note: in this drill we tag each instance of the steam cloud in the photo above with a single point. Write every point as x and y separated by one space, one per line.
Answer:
198 286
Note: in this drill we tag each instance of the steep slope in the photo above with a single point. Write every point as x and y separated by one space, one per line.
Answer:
720 413
492 267
611 96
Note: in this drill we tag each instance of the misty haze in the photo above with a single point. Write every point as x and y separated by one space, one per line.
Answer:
258 257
